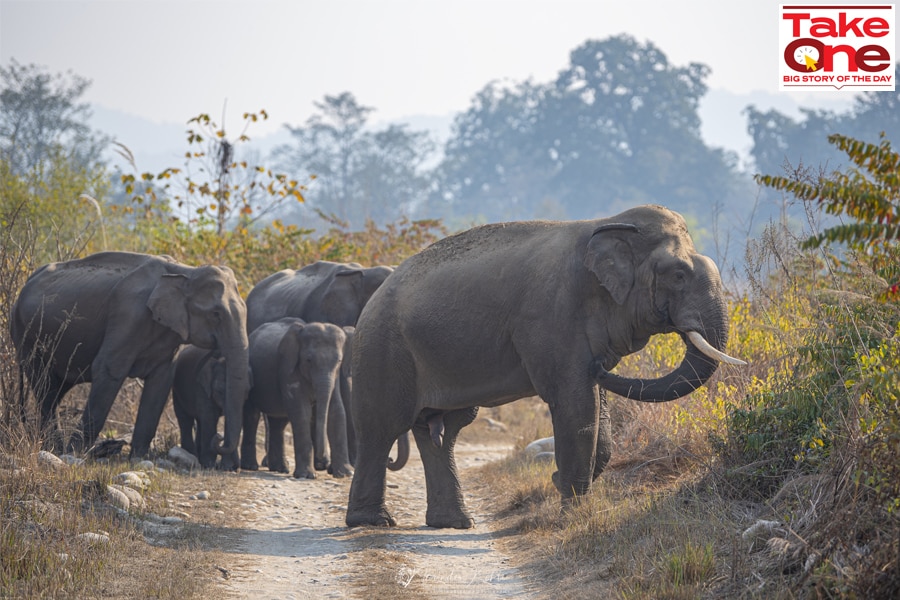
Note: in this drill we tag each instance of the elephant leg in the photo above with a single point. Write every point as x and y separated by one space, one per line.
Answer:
575 428
265 460
248 441
366 505
153 400
346 395
604 437
446 507
275 451
377 428
52 391
319 417
337 436
301 417
206 436
105 385
186 429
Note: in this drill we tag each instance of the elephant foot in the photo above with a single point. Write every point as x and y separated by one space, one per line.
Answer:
340 471
449 520
278 467
322 465
249 466
556 483
377 518
303 474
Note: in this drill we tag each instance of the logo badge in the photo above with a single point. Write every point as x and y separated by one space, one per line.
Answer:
836 47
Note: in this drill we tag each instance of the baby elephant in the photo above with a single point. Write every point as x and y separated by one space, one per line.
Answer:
198 392
295 368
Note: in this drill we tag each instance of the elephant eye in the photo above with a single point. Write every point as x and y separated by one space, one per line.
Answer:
679 278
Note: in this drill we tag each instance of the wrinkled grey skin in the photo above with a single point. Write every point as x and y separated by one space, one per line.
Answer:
507 311
324 292
198 397
295 368
114 315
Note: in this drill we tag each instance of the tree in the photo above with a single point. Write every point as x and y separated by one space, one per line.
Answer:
869 194
779 139
39 113
218 186
491 168
359 174
618 126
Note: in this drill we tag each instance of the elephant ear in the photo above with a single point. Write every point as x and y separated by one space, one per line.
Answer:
289 352
342 297
610 258
168 303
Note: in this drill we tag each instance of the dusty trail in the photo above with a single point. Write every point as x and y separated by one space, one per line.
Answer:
291 541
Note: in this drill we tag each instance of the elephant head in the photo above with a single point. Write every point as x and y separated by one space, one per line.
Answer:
204 307
349 291
646 262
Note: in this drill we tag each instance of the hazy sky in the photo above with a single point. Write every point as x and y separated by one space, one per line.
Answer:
170 60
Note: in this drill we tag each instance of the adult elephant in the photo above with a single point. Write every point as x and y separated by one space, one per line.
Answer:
506 311
198 398
326 292
295 368
114 315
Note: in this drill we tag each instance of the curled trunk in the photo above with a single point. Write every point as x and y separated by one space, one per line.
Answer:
698 365
695 370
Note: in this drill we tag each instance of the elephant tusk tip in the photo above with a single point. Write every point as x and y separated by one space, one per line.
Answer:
707 349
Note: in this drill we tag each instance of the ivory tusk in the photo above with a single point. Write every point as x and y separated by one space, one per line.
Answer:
704 347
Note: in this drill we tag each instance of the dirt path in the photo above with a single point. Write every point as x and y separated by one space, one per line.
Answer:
293 543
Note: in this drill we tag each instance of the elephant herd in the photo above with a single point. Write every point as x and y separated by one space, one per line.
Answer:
354 358
114 315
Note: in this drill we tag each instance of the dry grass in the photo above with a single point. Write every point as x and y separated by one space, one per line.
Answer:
388 573
640 534
43 510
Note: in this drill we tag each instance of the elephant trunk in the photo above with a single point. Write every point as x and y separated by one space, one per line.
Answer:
701 358
237 387
402 453
323 389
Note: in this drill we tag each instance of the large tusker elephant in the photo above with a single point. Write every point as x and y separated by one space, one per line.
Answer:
198 398
114 315
295 369
506 311
325 292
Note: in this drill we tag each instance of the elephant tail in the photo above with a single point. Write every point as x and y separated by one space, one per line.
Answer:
402 453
